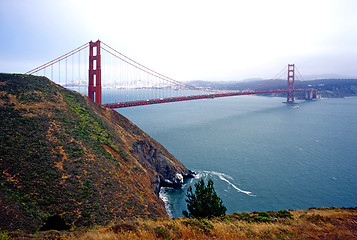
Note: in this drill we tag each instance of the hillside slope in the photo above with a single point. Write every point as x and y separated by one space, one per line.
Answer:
63 155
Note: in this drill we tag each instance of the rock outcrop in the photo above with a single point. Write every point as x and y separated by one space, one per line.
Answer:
166 171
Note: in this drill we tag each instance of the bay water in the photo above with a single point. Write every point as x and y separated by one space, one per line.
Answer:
261 154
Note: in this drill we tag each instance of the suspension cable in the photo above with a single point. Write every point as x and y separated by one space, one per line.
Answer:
269 81
35 70
150 71
299 74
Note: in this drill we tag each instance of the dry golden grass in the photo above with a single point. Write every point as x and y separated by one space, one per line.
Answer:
326 223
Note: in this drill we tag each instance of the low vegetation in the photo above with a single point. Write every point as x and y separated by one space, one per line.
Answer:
325 223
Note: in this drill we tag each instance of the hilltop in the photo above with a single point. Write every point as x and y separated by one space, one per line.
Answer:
65 157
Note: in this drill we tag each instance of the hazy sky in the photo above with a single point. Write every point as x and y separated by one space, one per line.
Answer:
188 39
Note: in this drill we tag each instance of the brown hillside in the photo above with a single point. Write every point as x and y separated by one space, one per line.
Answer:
61 154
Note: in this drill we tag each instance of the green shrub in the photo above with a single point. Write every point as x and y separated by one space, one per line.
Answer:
4 235
262 216
284 214
245 216
261 219
204 202
265 214
161 232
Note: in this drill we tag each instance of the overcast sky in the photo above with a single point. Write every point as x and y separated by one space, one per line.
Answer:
188 39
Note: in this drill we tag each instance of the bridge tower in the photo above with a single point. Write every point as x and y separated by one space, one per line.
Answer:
95 76
291 83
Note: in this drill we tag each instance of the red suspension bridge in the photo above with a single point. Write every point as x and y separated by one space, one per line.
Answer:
127 83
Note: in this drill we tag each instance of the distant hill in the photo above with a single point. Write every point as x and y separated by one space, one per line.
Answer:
65 157
326 87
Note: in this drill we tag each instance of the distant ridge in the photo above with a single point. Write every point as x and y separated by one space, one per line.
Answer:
326 87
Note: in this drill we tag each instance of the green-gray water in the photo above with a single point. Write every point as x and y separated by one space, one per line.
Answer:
262 154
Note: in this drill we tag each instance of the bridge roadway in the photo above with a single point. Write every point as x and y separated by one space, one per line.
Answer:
195 97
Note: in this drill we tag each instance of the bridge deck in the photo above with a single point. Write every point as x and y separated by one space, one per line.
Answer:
195 97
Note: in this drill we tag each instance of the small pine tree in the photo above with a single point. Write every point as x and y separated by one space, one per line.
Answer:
204 202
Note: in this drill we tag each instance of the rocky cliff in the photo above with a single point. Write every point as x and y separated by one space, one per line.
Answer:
63 155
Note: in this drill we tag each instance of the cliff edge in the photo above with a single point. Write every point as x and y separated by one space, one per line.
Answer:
63 155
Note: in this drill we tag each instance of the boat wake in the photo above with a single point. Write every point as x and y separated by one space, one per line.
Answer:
226 178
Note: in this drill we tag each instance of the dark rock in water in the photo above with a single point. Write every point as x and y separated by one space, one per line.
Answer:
169 173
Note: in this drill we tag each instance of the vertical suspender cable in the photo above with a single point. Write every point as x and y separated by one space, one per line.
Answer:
59 72
79 72
73 78
66 75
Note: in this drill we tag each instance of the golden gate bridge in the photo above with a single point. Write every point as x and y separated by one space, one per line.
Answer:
95 66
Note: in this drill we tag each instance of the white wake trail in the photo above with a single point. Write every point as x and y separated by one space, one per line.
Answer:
224 177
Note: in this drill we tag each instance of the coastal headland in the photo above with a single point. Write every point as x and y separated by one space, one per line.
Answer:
72 169
63 155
